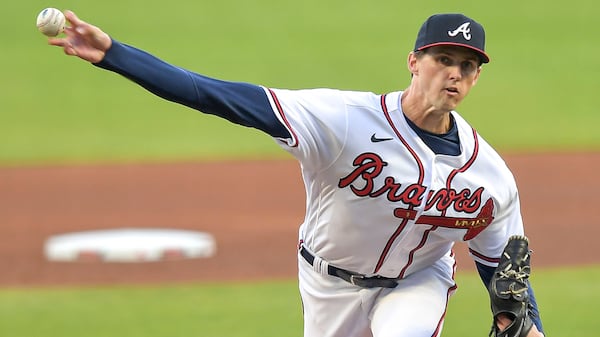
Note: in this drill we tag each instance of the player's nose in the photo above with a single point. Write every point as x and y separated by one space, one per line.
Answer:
455 72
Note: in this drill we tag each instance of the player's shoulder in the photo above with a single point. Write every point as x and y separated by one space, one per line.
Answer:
361 98
328 92
484 147
370 101
333 96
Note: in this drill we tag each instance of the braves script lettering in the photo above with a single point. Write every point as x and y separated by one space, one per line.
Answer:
463 201
369 166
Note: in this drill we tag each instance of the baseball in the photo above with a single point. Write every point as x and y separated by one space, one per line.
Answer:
51 22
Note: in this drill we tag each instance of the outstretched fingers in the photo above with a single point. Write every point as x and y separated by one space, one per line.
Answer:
78 26
63 42
82 39
72 18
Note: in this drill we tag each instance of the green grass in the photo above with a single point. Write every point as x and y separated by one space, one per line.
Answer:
567 298
536 94
168 311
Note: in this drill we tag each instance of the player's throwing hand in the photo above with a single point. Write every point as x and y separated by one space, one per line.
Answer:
83 40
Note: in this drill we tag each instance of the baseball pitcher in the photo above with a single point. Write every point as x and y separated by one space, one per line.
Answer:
392 182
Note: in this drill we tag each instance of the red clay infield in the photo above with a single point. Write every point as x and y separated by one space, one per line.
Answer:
252 208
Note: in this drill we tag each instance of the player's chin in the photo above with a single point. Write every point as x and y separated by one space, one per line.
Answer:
452 102
449 106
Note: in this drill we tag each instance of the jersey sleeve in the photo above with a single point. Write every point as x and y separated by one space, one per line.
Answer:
240 103
487 247
317 122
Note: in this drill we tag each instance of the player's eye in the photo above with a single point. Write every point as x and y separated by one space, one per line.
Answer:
445 60
468 67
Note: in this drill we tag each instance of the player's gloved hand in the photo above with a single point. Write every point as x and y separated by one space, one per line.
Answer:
83 40
508 289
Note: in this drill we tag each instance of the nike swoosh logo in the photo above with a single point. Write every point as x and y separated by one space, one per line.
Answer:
375 139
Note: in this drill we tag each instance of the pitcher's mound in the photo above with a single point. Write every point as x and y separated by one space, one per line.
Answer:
129 245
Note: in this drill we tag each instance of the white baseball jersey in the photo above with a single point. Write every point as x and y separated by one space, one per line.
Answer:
379 201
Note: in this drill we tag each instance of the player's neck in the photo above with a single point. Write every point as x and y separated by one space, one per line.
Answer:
425 116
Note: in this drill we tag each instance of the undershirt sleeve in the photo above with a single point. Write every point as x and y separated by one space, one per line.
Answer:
240 103
486 273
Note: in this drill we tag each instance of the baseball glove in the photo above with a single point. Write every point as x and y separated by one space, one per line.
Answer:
509 289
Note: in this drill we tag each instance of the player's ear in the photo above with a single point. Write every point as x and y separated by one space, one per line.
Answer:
412 63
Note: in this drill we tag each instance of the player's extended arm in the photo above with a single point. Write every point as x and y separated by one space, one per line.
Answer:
241 103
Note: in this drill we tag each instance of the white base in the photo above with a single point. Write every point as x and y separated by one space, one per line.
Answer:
129 245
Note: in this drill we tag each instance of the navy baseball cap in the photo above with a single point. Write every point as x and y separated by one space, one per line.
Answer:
454 30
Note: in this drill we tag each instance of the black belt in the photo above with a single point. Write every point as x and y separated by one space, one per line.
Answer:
351 277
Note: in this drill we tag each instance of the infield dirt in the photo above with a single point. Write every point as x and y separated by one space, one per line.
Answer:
253 209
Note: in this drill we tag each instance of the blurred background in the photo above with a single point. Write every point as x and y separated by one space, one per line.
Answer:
536 94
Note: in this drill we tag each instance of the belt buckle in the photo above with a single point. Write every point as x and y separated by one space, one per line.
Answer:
355 277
